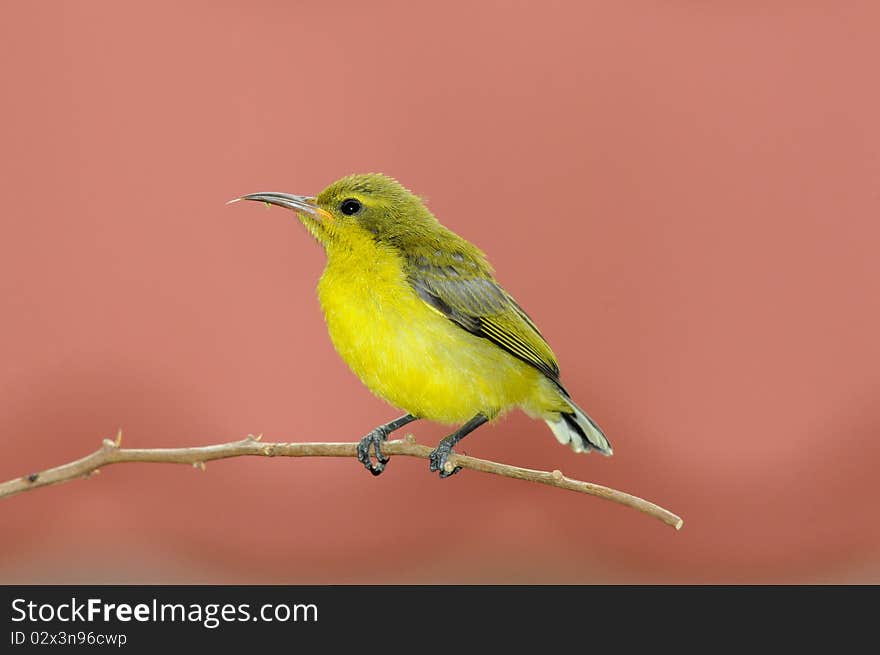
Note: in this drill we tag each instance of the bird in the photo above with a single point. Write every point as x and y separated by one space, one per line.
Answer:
416 312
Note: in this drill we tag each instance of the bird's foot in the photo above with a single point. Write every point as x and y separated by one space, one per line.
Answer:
440 457
375 439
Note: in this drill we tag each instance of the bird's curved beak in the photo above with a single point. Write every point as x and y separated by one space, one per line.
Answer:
316 220
296 203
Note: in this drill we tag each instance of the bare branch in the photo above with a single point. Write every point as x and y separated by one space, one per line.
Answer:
111 453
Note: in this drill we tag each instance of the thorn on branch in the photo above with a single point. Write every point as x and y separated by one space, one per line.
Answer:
200 465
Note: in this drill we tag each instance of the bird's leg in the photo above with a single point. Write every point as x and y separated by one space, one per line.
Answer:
443 450
375 438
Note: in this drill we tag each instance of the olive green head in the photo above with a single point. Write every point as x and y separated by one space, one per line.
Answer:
375 203
375 209
359 205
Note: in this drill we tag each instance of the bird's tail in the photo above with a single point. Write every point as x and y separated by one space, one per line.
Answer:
578 430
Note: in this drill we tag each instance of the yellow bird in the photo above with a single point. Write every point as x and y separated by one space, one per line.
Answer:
416 313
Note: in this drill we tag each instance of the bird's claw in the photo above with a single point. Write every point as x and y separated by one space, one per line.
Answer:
439 457
375 438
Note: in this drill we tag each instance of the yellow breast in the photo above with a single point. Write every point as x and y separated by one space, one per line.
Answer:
405 351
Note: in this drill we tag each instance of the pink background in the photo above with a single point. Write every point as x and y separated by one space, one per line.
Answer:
684 195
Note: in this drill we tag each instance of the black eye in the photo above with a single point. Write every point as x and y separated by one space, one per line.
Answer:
350 206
